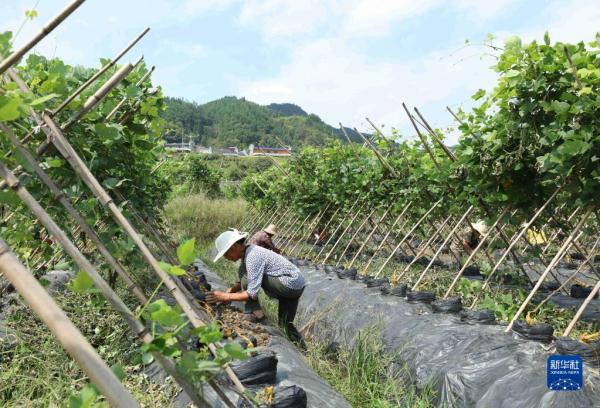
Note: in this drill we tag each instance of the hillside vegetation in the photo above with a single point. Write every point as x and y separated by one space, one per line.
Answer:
232 121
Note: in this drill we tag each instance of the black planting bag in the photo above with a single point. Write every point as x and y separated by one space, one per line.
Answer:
541 331
481 316
589 352
289 397
259 369
581 292
450 305
425 297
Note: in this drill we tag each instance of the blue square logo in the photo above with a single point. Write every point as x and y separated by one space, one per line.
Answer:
565 373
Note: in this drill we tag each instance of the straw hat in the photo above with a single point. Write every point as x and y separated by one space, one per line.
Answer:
271 229
226 240
480 227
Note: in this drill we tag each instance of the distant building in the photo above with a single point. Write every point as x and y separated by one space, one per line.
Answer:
269 151
180 147
203 149
228 151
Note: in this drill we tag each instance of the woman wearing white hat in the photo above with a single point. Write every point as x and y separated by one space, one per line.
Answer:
261 268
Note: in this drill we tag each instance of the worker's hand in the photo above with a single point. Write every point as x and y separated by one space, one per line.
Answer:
217 297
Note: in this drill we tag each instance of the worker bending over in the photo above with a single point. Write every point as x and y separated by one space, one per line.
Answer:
261 268
264 238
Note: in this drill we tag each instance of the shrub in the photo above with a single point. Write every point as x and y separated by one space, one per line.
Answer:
200 217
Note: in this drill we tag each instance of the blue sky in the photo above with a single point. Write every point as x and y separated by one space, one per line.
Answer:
341 59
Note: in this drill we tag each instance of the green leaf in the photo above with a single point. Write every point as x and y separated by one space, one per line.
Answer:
209 334
43 99
235 351
478 95
147 358
118 371
176 271
10 107
546 38
82 283
186 252
560 107
165 315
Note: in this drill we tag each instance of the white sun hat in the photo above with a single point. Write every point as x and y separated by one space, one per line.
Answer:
271 229
226 240
480 227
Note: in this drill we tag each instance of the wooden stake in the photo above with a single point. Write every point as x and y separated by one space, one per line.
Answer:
88 178
474 252
552 264
97 75
366 241
465 215
115 301
343 233
336 230
99 95
67 334
80 221
422 250
47 29
387 235
124 99
513 242
358 230
406 236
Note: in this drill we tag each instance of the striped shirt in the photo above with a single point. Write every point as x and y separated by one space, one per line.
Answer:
259 262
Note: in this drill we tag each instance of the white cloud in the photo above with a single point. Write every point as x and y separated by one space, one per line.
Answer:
373 18
188 49
284 18
331 78
483 10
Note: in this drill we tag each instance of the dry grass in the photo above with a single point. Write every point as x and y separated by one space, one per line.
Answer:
199 217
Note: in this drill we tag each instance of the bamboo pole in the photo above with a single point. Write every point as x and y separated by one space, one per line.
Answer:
124 99
379 156
360 227
47 29
100 94
311 227
423 140
294 233
552 264
387 235
513 242
366 241
80 221
89 105
88 178
474 252
101 71
267 216
406 236
115 301
287 227
336 230
325 229
591 255
67 334
558 229
586 302
421 250
344 232
462 219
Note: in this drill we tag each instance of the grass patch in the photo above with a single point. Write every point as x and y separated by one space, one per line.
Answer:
199 217
37 372
367 376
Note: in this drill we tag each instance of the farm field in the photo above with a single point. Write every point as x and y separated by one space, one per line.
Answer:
443 269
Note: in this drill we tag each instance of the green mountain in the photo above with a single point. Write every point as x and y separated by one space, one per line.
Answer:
232 121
